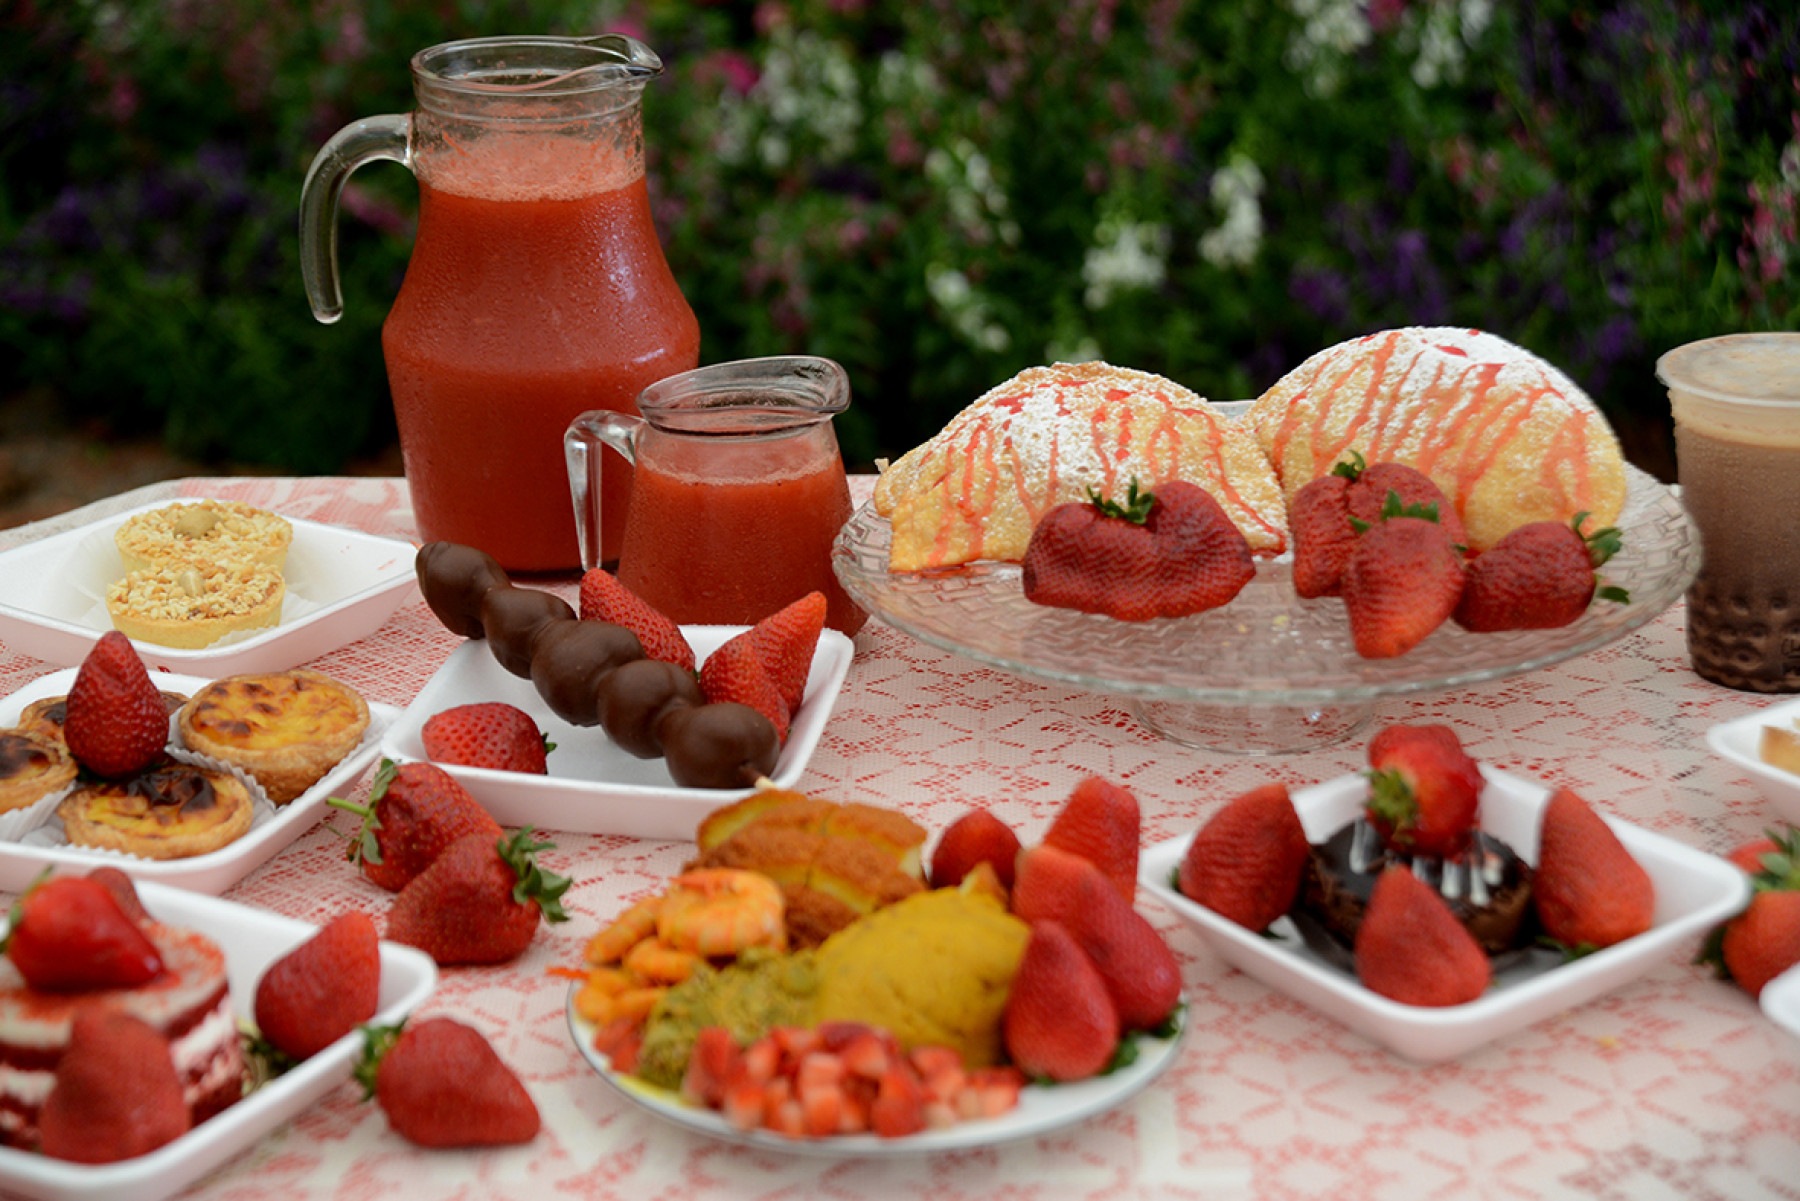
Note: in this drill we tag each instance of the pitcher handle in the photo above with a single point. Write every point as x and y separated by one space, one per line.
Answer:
581 454
385 137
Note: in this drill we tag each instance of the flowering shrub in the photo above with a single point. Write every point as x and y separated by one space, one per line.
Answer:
936 194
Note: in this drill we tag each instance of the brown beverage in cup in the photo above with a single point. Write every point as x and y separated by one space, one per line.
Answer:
1736 401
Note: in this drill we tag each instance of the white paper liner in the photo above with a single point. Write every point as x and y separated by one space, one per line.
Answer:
96 566
16 824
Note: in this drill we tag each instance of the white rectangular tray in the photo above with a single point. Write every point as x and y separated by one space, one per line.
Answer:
593 787
1739 741
1694 891
252 939
215 871
342 585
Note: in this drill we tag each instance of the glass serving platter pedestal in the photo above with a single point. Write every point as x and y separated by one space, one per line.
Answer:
1268 673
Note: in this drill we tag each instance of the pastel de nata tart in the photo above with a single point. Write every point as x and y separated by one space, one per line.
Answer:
1506 436
46 715
286 728
189 1003
208 531
977 488
170 810
31 768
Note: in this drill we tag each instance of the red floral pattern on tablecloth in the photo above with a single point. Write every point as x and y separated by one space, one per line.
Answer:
1674 1086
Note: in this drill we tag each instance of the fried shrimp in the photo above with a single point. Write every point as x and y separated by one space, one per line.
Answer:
722 911
627 930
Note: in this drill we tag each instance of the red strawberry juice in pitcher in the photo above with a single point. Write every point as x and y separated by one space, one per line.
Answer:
537 289
518 313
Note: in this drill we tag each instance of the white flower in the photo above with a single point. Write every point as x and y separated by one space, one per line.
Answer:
1237 189
1332 30
1445 28
809 84
1126 256
977 203
1083 350
969 312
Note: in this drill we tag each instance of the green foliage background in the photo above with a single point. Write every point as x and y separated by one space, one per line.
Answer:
937 194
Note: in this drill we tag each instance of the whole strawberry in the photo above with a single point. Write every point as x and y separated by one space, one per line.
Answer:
604 598
1247 861
975 837
1140 971
68 934
117 723
1424 793
785 641
1330 512
1401 583
415 810
1763 941
1410 948
1588 890
1538 577
1319 523
322 989
1101 823
488 734
1059 1022
1167 553
736 673
116 1094
442 1085
479 902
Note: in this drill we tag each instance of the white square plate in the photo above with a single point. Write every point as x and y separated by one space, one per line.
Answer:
215 871
1694 891
1780 1001
252 939
1738 741
593 787
342 585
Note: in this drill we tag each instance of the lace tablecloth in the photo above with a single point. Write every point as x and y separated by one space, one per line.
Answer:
1674 1086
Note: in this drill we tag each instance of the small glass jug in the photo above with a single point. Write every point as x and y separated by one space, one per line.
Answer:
537 288
737 493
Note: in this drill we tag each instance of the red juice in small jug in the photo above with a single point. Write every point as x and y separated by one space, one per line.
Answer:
730 552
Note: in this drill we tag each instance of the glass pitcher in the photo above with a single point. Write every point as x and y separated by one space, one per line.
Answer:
737 493
537 289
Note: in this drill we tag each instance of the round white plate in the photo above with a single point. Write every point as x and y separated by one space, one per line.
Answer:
1041 1108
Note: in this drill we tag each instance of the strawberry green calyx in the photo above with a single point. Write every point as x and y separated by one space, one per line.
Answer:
535 884
1136 508
1602 545
366 847
1391 801
1351 468
377 1042
1393 506
18 909
1779 869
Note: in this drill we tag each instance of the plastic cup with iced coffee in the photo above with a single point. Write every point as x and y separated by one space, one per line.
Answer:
1736 401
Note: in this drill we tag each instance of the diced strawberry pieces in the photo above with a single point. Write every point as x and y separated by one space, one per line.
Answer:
760 1061
868 1057
899 1108
821 1107
787 1117
743 1105
836 1035
713 1063
620 1040
818 1069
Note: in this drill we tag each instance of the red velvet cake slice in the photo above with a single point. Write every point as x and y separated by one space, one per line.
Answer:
189 1003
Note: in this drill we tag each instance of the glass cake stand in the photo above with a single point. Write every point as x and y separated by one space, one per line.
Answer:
1268 673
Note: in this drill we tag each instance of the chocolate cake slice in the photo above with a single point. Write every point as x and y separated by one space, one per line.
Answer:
1488 887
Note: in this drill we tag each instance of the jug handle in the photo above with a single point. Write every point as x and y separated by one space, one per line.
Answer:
581 455
385 137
